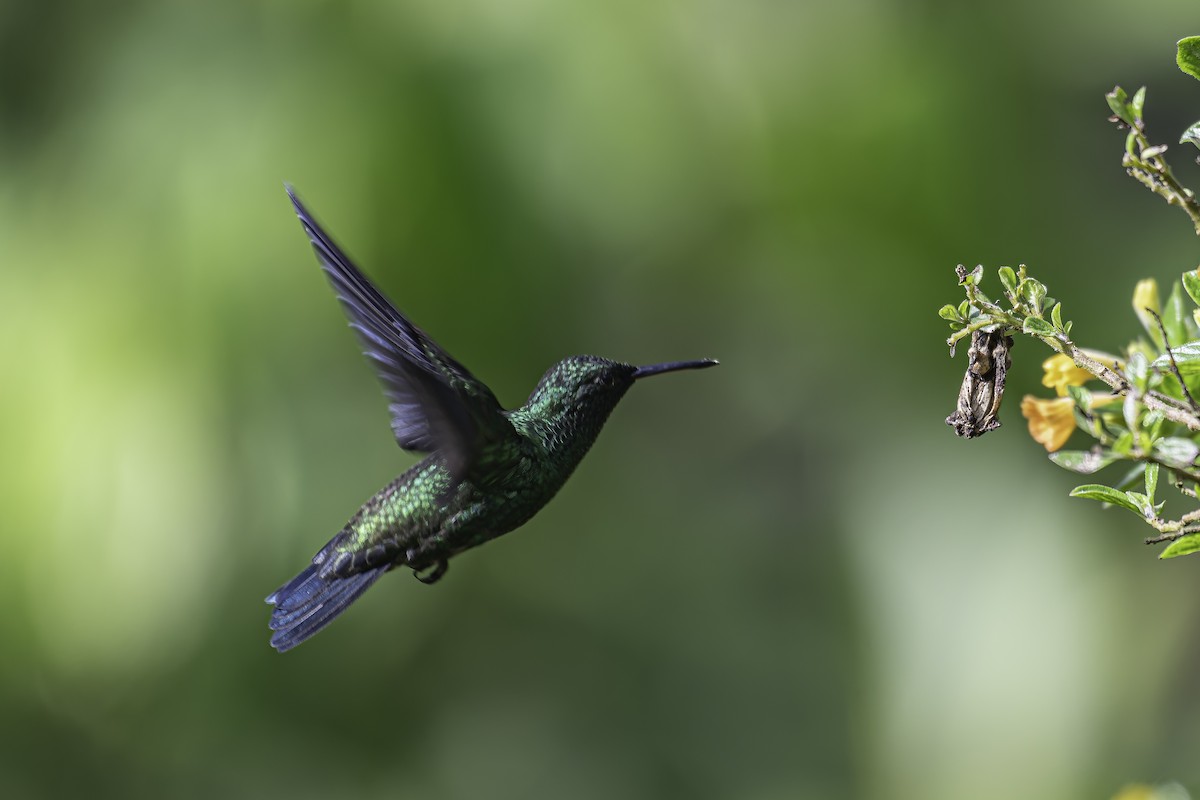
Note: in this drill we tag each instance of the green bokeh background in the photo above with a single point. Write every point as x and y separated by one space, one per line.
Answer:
783 578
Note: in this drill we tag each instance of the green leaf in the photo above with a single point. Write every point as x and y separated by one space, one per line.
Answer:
1187 356
964 309
1032 293
1191 282
1106 494
1056 315
1085 462
949 313
1009 279
1082 421
1037 327
1132 410
1137 369
1138 102
1192 134
1145 505
1174 317
1151 481
1081 395
1187 56
1182 547
1177 451
1116 102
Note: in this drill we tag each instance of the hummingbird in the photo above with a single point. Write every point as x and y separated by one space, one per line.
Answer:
487 470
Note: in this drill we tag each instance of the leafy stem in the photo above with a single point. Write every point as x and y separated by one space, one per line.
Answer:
1144 161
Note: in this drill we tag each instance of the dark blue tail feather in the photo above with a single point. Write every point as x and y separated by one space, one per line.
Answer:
308 602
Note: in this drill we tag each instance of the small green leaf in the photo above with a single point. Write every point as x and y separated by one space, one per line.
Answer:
1138 102
1085 462
949 313
1192 134
1153 421
1009 279
1131 410
1151 481
1191 283
1081 395
1131 143
964 309
1182 547
1174 317
1137 369
1187 56
1037 327
1082 421
1056 315
1106 494
1116 102
1177 451
1032 293
1187 357
1145 505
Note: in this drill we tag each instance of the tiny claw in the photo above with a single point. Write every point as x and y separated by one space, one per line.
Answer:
439 569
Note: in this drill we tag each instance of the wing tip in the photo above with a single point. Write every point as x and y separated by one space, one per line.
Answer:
298 205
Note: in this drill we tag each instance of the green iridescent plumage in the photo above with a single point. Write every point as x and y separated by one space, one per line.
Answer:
488 470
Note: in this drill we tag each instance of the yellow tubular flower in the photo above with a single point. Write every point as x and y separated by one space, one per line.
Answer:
1061 372
1050 421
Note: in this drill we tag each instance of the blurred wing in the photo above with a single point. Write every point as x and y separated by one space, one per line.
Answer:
435 402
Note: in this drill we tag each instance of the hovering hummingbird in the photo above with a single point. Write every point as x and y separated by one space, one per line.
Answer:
488 470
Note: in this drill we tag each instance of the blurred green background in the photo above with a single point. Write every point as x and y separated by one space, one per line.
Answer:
784 578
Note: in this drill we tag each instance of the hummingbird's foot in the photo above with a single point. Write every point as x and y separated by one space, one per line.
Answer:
439 569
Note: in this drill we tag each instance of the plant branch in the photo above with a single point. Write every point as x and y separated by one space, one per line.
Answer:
1150 169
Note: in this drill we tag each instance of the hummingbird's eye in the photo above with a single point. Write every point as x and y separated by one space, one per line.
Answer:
591 385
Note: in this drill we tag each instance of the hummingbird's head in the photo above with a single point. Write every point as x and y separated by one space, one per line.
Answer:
581 391
581 385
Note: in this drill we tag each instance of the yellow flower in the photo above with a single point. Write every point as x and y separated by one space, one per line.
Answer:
1145 296
1061 372
1050 421
1136 792
1170 791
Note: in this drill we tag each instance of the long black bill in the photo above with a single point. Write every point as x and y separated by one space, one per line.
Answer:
672 366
